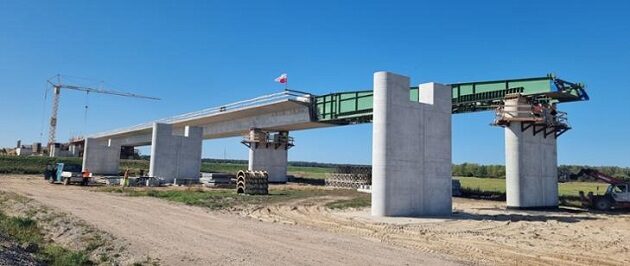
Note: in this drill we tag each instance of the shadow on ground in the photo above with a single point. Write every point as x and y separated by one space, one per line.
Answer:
536 216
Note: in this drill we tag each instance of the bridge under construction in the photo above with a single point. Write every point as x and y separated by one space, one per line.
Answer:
411 144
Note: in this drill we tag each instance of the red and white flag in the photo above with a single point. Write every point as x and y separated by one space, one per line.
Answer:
282 78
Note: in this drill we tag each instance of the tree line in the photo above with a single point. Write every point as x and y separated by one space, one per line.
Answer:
498 171
464 169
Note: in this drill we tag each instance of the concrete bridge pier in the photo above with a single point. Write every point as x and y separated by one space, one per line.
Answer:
411 149
175 156
101 156
269 152
531 164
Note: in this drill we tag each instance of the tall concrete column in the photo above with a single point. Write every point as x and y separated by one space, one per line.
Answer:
101 156
411 149
270 155
531 171
175 156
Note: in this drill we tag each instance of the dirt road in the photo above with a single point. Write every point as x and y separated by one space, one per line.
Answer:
184 235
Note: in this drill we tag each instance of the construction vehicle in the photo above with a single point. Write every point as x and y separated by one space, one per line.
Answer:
66 173
617 194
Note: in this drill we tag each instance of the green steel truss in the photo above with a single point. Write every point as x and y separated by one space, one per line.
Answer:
356 106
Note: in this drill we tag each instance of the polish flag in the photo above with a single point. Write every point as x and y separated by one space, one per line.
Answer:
282 78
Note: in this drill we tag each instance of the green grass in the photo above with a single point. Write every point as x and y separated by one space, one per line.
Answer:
573 188
222 167
498 185
482 184
359 201
219 198
310 172
26 231
495 188
36 165
301 171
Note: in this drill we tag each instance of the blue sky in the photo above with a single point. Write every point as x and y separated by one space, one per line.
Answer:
197 54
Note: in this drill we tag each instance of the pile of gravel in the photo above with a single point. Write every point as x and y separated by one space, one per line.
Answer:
11 253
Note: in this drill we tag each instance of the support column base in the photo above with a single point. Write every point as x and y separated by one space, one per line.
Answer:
175 156
536 208
411 149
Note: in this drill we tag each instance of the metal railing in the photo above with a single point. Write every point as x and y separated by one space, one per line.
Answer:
240 105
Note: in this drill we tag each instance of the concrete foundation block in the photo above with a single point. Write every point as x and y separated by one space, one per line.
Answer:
175 156
411 149
101 156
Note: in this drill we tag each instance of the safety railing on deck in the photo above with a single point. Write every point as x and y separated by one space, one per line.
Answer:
250 103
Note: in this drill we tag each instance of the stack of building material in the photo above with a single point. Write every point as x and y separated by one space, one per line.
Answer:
153 181
185 181
132 181
252 182
108 180
350 177
215 179
365 189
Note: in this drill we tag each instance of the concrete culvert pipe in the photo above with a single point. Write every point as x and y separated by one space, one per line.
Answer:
241 173
252 182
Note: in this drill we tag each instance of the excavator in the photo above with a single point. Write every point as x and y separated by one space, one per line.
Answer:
617 194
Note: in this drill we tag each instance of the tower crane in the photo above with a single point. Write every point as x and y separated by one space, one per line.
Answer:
57 86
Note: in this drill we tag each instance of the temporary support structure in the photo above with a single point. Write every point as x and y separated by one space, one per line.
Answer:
269 153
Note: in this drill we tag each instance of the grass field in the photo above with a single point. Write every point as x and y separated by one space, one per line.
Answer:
27 233
36 165
494 188
223 198
480 186
498 185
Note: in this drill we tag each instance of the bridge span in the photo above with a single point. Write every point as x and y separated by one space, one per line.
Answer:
411 136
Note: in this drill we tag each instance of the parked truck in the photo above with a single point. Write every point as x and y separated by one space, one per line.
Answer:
66 173
617 195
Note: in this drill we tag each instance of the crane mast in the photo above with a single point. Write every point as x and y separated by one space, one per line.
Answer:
52 131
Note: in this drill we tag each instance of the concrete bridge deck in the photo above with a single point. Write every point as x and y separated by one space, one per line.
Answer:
283 111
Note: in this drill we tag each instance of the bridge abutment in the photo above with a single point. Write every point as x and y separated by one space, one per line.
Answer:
101 156
411 149
175 156
269 152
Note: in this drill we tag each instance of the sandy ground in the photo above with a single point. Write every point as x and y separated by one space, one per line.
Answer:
480 232
305 232
183 235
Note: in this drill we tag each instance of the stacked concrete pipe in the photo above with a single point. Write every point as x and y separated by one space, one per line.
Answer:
252 182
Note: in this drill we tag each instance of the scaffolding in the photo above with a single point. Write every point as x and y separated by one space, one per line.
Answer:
542 116
257 138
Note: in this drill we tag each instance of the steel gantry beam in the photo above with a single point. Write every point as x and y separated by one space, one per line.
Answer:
356 106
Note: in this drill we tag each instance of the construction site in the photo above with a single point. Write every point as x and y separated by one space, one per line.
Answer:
406 198
411 134
411 138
